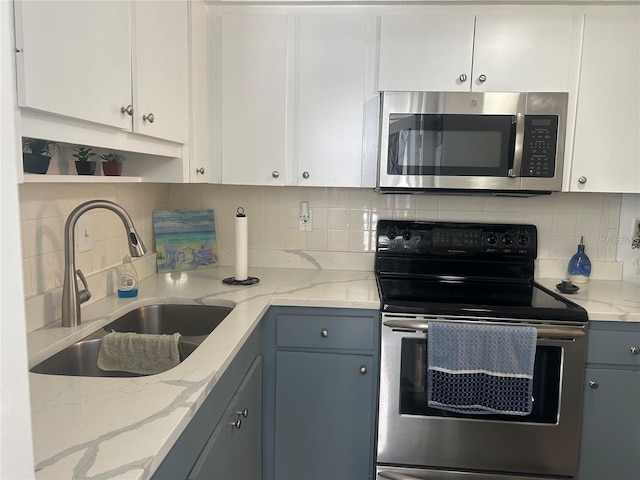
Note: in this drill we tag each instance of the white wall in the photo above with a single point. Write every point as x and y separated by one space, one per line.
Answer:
16 449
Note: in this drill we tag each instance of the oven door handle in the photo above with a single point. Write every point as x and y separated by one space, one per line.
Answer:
543 332
396 476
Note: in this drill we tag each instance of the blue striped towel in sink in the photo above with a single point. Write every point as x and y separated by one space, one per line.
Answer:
479 368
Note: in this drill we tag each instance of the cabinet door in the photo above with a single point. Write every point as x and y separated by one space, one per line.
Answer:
74 59
606 151
254 87
161 86
426 53
524 53
323 416
331 84
610 439
234 450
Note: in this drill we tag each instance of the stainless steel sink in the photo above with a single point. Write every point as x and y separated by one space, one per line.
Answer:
193 322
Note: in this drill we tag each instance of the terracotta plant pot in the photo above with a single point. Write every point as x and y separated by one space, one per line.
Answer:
35 163
85 168
112 168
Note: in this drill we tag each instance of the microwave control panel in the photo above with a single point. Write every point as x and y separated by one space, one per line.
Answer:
540 145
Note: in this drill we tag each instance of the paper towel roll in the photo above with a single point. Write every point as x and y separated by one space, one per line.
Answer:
242 245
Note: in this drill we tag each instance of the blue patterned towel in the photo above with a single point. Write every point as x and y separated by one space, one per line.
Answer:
480 369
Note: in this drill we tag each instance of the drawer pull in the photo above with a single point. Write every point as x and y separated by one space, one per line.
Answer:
243 413
635 350
593 384
363 370
324 333
237 424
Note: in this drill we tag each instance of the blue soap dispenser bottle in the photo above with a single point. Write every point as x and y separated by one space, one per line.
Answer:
127 279
579 265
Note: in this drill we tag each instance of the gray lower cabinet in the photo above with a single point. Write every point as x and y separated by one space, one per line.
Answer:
223 441
320 393
610 439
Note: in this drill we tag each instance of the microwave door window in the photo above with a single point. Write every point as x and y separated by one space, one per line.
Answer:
450 145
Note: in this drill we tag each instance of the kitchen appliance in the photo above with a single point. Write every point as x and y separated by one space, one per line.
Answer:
488 143
481 273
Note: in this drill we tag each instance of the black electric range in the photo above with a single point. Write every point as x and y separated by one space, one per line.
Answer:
475 269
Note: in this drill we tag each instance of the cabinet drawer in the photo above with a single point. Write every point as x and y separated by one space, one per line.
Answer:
325 332
613 347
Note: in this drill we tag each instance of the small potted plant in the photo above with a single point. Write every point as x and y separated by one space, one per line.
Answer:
112 164
83 165
36 154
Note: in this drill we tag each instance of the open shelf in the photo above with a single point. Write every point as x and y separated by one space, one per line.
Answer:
36 178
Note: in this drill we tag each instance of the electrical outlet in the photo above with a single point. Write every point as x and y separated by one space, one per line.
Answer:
84 234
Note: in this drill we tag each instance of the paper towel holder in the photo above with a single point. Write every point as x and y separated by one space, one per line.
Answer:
248 280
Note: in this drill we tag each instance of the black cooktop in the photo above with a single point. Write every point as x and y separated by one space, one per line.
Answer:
445 268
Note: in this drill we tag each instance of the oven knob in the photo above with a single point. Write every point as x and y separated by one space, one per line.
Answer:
406 235
491 239
506 240
391 233
523 240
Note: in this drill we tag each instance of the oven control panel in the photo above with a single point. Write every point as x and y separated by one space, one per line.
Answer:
455 239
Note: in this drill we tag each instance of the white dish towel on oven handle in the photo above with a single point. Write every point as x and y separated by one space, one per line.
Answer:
478 368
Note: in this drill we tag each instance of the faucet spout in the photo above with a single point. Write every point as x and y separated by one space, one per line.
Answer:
72 297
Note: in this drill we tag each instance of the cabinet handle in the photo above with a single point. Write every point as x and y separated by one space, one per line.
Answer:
593 384
582 179
200 170
305 174
128 110
275 174
635 350
149 118
243 413
363 370
324 333
237 424
482 78
462 77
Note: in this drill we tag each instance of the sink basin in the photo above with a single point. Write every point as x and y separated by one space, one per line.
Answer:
193 322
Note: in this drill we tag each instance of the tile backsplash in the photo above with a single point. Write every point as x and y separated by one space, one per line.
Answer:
343 220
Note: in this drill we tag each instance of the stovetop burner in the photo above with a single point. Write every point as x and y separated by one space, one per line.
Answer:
446 268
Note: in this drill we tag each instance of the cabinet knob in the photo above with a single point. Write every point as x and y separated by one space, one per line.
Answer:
363 370
324 333
482 78
582 179
305 174
635 350
593 384
243 413
200 170
462 77
275 174
149 118
128 110
237 424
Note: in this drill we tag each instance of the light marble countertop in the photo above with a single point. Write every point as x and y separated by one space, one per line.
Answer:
122 428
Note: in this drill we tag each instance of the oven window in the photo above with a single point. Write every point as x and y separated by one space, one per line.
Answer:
436 144
546 385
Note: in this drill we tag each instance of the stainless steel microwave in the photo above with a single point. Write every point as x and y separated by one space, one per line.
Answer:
492 143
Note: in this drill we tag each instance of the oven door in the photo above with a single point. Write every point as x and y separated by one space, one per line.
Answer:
544 442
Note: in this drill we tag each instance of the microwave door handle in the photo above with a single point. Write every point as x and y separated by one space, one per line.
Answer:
516 167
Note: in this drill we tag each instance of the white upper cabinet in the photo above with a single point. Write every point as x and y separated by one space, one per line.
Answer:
160 73
74 59
606 154
253 98
95 61
331 95
503 52
426 52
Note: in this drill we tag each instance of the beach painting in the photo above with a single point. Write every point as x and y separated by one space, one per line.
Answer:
185 240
